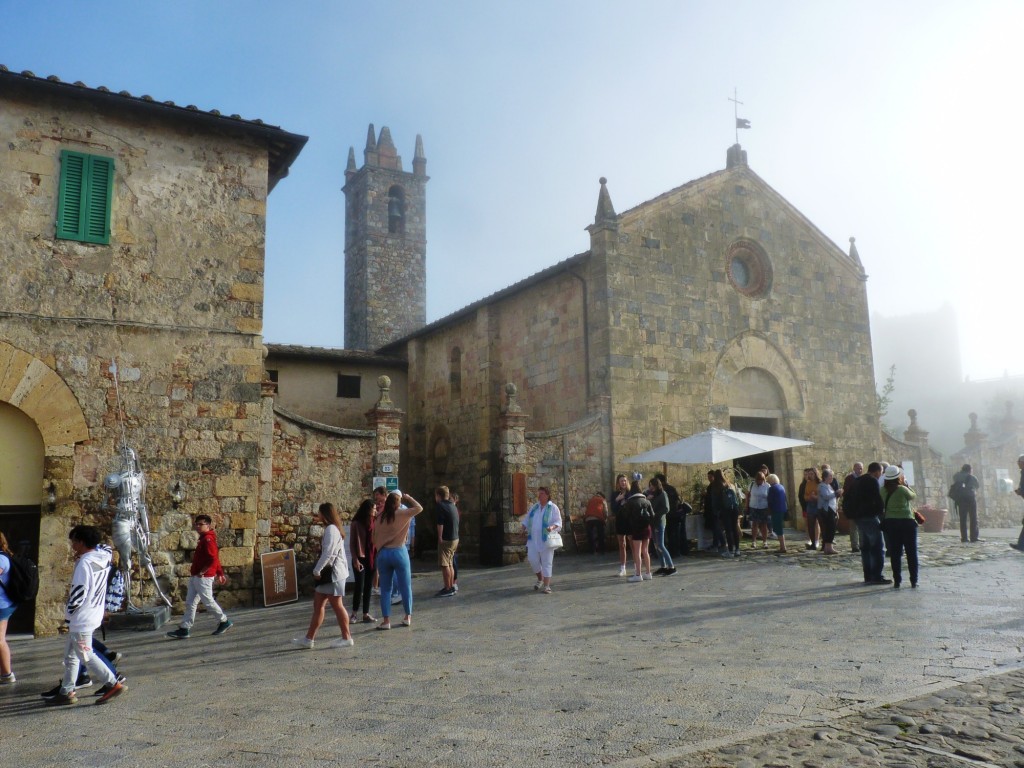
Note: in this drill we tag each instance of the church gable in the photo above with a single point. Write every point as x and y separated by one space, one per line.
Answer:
725 302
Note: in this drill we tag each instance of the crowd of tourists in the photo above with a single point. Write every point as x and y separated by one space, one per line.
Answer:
877 501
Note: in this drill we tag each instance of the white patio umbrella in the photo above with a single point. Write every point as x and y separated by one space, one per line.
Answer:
713 446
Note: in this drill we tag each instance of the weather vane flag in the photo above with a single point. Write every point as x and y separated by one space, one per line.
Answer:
741 122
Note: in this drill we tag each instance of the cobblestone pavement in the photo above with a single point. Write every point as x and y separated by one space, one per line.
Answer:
763 660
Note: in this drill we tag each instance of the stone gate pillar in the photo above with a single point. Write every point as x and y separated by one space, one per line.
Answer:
386 421
513 459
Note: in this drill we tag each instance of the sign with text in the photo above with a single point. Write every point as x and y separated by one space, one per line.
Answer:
390 483
280 582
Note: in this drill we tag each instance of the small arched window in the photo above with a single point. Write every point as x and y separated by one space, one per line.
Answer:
455 372
396 210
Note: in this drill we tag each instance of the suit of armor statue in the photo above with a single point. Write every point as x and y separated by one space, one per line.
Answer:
126 492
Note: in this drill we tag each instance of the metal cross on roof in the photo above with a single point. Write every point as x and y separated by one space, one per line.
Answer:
740 122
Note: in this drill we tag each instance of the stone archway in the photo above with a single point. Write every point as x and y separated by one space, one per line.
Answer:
753 374
31 386
755 389
39 396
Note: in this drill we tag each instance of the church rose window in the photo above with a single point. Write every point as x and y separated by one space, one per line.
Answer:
748 268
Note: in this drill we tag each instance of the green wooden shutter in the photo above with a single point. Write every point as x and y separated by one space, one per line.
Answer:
69 200
84 197
97 203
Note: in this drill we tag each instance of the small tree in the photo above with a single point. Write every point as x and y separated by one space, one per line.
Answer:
885 398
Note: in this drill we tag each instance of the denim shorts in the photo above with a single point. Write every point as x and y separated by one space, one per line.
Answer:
5 613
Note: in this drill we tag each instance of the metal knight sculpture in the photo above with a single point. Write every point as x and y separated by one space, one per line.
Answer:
126 497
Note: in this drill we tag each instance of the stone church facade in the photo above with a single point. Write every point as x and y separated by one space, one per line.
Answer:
714 304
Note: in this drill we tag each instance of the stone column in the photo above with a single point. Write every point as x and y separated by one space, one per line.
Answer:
386 421
925 485
512 455
265 498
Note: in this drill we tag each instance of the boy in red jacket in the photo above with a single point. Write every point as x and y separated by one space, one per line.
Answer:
205 568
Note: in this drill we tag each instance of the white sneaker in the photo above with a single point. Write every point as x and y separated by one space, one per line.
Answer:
302 642
396 599
375 591
647 577
622 570
635 578
341 642
538 585
8 679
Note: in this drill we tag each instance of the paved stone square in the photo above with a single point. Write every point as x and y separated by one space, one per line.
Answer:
760 660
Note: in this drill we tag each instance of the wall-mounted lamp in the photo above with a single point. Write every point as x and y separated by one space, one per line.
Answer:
177 491
51 495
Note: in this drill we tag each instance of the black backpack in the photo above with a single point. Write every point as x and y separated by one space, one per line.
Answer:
23 584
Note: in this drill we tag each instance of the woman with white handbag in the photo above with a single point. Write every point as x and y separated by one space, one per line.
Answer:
330 574
542 523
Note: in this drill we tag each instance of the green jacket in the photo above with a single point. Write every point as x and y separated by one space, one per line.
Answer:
899 507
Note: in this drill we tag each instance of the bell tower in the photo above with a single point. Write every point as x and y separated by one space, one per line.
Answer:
385 244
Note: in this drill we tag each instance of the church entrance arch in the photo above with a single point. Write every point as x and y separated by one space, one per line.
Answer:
755 389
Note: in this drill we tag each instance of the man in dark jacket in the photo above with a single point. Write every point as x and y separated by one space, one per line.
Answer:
863 506
966 486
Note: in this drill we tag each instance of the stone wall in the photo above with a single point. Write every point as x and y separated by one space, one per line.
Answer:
313 463
534 338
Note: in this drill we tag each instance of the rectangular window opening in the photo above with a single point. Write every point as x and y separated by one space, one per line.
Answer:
348 386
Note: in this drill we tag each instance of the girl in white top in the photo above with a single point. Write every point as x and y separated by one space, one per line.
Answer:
332 553
757 509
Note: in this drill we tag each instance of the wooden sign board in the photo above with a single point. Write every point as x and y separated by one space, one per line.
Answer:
280 582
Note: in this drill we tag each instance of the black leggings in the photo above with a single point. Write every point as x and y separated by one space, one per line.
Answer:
363 585
732 536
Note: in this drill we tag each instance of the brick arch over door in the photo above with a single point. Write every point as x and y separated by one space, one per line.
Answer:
750 359
30 385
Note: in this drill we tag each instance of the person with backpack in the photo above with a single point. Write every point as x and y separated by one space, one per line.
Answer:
84 613
7 608
726 506
965 486
640 514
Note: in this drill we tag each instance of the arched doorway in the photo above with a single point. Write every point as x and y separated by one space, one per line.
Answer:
756 389
42 422
21 478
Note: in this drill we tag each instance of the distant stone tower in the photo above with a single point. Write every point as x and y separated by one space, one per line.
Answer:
385 244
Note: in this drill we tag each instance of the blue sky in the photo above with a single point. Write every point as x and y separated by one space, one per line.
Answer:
891 122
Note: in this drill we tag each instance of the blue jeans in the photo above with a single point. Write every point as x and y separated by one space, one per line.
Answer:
659 540
871 552
395 571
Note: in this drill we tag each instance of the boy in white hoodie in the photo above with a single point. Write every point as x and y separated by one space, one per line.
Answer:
84 614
